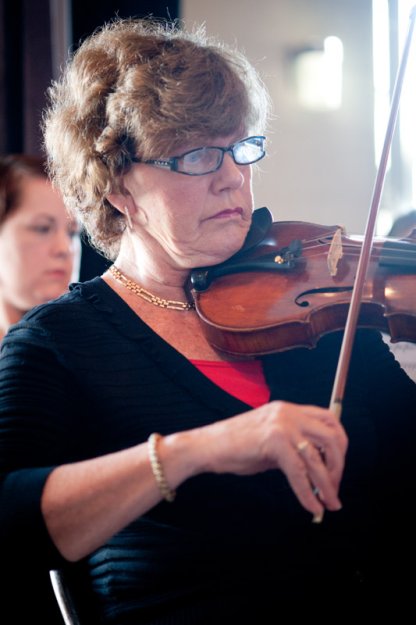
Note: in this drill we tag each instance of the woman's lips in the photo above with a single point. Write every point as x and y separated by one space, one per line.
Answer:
228 212
57 274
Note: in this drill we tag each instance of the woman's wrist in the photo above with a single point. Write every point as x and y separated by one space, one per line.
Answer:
182 456
157 467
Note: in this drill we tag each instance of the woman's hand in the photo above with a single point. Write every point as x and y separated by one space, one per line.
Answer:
307 443
84 503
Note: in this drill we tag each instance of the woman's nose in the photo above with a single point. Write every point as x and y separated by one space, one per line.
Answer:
229 174
64 243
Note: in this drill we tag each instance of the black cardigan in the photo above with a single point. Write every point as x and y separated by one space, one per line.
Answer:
84 376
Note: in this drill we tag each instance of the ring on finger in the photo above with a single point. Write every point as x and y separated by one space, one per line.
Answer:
302 445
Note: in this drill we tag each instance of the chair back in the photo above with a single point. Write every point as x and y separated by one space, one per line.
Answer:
64 598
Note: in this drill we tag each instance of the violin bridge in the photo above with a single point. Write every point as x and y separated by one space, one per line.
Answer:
335 252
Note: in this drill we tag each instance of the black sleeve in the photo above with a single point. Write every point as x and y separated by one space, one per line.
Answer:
36 430
391 397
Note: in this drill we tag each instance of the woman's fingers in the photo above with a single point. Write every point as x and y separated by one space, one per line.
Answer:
311 451
329 445
306 442
318 474
309 479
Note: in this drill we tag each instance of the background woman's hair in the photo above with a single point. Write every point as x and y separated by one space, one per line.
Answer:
141 88
14 168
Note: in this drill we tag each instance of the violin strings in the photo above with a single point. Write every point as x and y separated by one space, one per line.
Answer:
388 243
406 256
353 248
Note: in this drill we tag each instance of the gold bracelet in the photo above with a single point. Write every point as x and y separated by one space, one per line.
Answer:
157 468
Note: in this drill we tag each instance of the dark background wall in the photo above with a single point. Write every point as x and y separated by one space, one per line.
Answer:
25 72
26 69
87 15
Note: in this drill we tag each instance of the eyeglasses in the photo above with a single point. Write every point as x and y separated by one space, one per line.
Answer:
207 160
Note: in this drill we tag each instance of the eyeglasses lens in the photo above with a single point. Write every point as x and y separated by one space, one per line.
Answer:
249 151
207 160
201 161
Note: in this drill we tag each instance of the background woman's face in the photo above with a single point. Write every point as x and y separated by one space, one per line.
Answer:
37 247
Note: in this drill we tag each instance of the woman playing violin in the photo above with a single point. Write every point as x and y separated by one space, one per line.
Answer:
177 484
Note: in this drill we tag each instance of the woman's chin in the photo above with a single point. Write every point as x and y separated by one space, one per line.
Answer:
48 295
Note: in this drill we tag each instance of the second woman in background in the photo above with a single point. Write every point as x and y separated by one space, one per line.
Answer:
37 239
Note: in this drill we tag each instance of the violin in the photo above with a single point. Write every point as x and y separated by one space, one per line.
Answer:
362 289
292 281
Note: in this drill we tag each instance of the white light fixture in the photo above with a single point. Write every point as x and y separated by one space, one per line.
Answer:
317 73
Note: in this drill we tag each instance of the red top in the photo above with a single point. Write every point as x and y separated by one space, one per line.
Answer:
243 379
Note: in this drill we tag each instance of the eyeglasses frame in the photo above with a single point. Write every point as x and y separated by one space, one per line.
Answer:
172 162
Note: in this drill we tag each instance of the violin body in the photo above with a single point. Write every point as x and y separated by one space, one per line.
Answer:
294 286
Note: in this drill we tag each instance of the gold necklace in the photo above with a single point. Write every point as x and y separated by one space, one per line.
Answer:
146 295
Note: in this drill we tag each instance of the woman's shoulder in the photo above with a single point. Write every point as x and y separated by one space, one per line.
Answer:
76 313
74 301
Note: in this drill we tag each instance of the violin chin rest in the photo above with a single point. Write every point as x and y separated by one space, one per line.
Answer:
261 224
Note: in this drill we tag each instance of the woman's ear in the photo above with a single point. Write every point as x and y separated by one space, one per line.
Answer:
118 200
123 204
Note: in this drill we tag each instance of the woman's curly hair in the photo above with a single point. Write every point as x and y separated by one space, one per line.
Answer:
140 88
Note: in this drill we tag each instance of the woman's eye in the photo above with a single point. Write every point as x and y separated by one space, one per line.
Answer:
41 229
195 157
